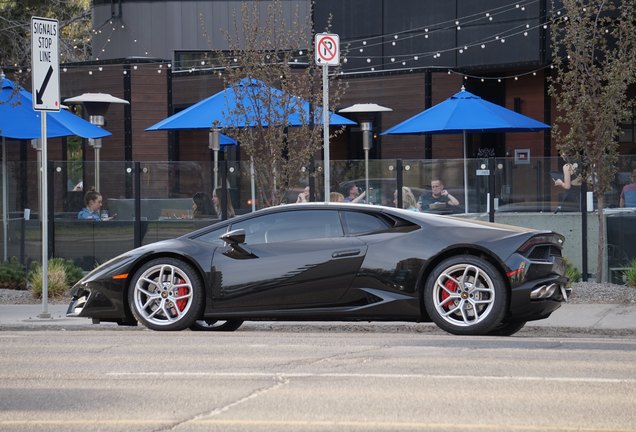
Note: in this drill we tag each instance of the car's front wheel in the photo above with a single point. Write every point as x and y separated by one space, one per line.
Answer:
466 295
214 325
166 294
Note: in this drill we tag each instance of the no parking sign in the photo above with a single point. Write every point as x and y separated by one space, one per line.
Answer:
327 49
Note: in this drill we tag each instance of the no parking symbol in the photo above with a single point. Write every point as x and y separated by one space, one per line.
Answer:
327 49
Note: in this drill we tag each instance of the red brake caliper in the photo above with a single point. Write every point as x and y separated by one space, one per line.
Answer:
450 285
181 304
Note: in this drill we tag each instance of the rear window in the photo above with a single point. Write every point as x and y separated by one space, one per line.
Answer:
357 223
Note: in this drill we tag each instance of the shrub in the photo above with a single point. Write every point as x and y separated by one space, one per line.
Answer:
62 275
571 272
630 274
12 274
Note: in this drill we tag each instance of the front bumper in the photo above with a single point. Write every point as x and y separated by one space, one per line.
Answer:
101 302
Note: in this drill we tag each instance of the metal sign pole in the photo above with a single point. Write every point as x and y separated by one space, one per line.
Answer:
327 47
44 212
325 128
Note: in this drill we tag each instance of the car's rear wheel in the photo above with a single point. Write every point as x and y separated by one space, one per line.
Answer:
166 294
213 325
466 295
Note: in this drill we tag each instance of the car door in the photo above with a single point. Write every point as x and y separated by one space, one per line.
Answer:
290 259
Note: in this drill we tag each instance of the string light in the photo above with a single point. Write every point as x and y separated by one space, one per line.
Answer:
403 59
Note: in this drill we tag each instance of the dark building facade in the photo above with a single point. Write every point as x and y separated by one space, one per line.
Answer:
407 55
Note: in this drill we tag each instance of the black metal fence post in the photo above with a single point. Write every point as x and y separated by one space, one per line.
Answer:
137 202
491 189
399 177
224 195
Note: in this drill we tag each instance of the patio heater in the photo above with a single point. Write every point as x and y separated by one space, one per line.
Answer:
367 143
214 144
96 106
367 112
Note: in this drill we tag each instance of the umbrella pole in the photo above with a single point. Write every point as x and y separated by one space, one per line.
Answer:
465 177
5 213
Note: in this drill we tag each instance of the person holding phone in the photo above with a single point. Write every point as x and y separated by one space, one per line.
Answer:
571 184
93 208
354 195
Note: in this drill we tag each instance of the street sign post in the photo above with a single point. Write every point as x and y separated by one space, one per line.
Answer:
45 85
327 47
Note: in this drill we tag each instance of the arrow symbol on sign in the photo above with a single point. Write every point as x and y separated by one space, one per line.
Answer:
39 93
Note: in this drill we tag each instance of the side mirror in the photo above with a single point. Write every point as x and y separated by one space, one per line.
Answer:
234 237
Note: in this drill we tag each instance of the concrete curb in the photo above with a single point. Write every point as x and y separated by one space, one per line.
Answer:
591 316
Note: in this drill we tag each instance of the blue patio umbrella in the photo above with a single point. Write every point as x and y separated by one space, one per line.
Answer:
250 103
253 97
465 112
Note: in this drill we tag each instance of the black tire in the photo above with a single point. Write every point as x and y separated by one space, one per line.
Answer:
466 295
212 325
166 294
507 328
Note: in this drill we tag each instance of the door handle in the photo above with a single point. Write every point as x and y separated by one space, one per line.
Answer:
345 253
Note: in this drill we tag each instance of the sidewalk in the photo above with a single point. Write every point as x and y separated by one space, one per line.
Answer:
592 316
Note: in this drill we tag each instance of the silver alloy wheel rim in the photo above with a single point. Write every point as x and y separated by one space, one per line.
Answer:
163 294
463 295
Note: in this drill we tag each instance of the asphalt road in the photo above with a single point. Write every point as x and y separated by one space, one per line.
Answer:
285 379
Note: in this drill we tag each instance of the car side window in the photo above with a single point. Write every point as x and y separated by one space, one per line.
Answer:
357 223
291 226
213 236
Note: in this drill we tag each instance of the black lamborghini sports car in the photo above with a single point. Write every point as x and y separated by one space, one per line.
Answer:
328 261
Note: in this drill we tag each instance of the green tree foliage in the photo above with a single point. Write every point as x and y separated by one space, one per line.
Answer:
75 25
265 46
594 57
